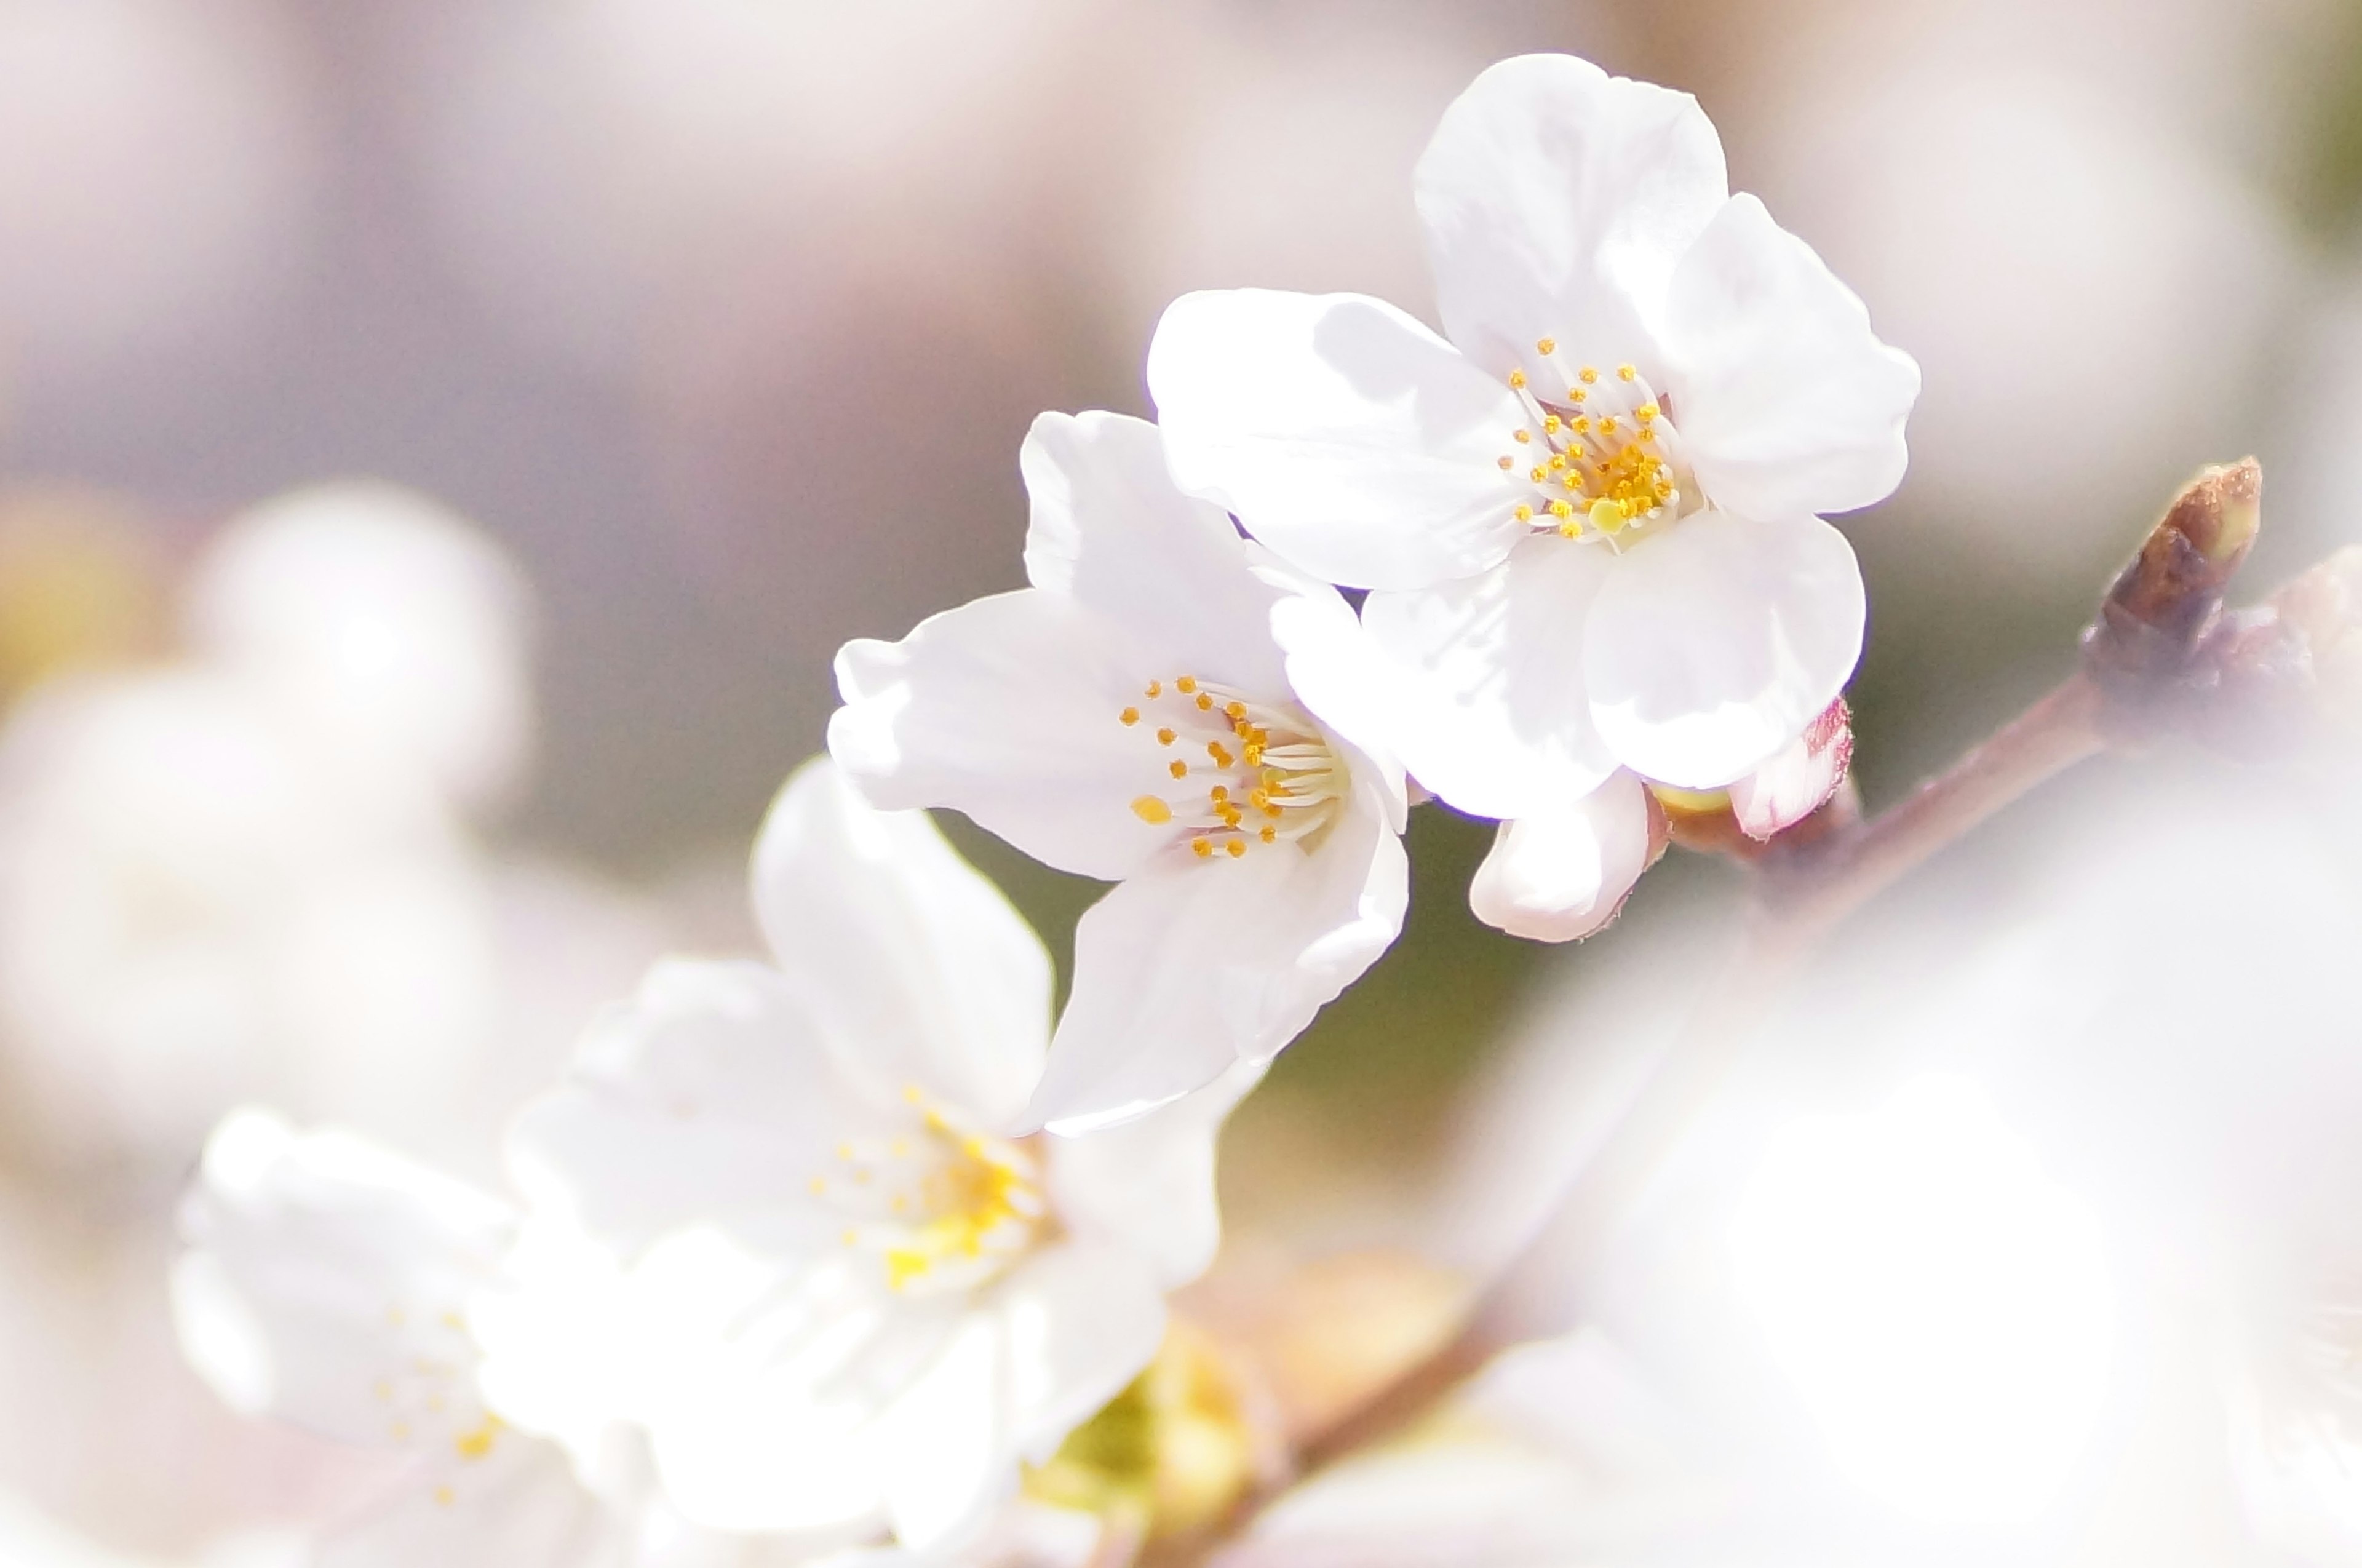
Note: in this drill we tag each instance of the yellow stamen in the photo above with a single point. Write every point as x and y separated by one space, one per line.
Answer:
1149 809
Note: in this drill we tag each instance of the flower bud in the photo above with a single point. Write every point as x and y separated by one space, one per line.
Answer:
2289 671
2169 598
1170 1454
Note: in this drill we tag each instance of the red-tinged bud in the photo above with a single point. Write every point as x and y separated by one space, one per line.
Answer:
2289 671
1800 780
2168 600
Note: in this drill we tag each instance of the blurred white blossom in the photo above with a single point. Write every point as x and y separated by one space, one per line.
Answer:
782 1224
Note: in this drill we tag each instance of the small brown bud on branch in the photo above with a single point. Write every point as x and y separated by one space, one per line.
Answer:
2154 626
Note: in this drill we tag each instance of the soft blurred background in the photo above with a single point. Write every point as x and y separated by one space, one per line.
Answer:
442 444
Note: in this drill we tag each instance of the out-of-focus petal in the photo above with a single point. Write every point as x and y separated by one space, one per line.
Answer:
1083 1321
925 972
1347 438
1149 1185
1561 875
326 1283
522 1508
1713 644
950 1440
1557 200
715 1095
1787 402
1486 678
1110 532
1007 709
1191 966
1794 784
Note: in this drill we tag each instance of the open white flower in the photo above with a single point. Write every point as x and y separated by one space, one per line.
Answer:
1589 518
1170 707
327 1283
822 1276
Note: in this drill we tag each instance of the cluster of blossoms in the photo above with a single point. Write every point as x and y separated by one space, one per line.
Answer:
815 1255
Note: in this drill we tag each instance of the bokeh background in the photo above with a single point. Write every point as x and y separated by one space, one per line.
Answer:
723 319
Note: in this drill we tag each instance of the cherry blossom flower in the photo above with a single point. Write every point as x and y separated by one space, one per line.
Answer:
327 1283
784 1225
1172 708
1587 514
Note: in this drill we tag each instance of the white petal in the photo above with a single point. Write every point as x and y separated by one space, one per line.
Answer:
1786 402
1148 1186
1007 709
951 1441
1194 964
1083 1321
1111 532
767 1393
714 1094
1557 200
1488 680
326 1282
1337 672
1345 436
1713 644
521 1508
1561 875
923 968
1794 784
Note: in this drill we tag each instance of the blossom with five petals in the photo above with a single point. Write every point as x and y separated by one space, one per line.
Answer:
1170 707
1589 514
782 1221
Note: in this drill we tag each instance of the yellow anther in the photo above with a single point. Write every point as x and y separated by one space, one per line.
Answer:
1237 710
1165 737
1156 688
1588 375
1561 509
1607 425
1178 769
1522 438
1253 754
1646 412
1538 474
1218 792
1625 372
1205 703
1525 513
475 1445
1269 835
1575 395
1152 811
1546 346
1219 753
1203 848
1549 423
1517 379
1582 426
1237 846
1130 715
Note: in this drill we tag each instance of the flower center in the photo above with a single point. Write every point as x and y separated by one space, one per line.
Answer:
945 1206
1267 774
1604 462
